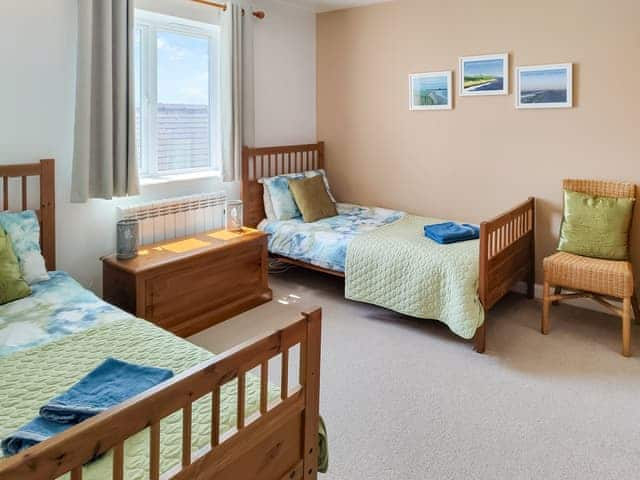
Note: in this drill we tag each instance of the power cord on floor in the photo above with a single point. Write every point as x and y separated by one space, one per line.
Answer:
276 266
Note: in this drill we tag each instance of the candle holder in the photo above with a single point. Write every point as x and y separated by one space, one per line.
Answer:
233 212
127 239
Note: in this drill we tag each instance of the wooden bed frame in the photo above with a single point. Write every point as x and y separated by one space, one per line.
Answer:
507 242
280 442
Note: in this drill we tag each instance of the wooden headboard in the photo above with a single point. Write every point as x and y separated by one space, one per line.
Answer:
263 162
45 169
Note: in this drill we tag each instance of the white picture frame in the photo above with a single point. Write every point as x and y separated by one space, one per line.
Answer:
544 86
491 74
431 91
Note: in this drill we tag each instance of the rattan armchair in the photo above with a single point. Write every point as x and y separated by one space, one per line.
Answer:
600 280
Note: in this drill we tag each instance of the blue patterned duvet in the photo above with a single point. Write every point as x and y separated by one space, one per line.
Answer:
324 243
57 307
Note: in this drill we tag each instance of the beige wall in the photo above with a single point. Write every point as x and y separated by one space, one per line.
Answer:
484 155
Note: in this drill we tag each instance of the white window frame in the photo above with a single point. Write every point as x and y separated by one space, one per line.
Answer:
149 24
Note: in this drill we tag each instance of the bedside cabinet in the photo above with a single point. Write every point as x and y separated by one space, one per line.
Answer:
189 284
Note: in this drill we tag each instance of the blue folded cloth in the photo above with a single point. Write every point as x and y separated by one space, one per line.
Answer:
451 232
109 384
34 432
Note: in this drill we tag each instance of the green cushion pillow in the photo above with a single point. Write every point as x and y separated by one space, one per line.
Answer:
596 226
12 285
312 198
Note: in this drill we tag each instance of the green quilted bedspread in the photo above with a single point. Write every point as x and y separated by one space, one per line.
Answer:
397 267
31 377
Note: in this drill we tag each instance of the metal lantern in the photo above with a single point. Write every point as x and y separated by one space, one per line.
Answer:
234 215
127 242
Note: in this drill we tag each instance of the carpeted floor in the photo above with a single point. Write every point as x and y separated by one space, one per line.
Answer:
405 399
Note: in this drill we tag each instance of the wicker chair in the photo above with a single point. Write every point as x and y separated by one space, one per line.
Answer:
600 280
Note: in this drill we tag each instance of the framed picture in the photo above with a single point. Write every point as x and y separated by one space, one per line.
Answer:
484 75
430 91
545 86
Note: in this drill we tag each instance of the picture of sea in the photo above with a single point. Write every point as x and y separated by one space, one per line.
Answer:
544 86
483 75
430 91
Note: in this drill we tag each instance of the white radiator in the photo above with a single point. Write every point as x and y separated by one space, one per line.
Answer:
177 217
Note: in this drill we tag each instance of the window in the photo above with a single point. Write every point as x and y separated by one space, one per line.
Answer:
176 90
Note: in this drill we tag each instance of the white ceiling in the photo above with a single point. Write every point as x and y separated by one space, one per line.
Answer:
327 5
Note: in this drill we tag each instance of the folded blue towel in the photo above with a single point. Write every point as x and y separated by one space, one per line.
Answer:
34 432
109 384
451 232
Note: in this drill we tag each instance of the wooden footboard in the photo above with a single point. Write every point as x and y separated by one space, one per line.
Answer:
507 255
279 442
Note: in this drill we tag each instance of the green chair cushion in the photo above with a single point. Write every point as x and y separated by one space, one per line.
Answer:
12 285
596 226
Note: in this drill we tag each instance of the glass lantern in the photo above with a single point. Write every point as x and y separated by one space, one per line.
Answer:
234 215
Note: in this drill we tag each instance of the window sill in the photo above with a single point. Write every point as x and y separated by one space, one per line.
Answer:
179 177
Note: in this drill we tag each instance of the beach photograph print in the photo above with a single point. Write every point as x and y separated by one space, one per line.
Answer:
484 75
545 86
430 91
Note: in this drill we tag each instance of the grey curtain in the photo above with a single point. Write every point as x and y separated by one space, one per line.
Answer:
104 160
236 85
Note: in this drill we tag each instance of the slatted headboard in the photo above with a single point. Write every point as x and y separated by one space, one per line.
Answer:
45 169
263 162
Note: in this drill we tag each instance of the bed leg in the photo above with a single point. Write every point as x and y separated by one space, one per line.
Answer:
310 372
531 284
480 338
531 279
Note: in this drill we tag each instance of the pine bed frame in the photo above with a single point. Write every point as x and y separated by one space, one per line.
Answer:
507 242
281 442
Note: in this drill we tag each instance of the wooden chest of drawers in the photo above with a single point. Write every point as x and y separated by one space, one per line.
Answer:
187 285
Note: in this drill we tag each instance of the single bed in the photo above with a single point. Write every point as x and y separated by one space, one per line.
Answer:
324 243
503 255
218 418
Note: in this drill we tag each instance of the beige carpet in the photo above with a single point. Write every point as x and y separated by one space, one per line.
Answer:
405 399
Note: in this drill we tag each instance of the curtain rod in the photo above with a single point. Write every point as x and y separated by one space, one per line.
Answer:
223 6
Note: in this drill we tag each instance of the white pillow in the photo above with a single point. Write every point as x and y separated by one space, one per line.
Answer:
23 229
268 204
33 267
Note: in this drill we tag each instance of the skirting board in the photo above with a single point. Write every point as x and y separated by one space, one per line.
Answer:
587 304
